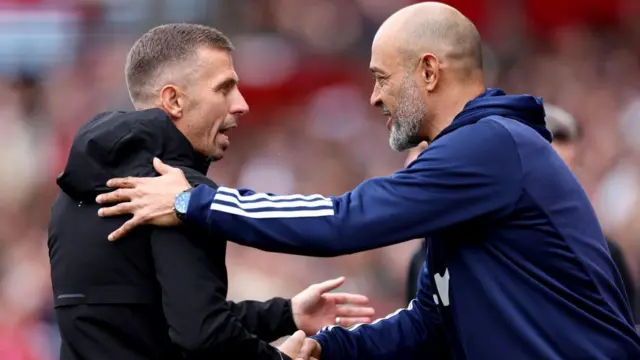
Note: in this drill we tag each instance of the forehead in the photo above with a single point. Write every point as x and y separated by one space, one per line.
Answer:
215 63
385 54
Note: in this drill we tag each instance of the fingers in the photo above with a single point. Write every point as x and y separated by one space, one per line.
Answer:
355 311
119 195
120 209
329 285
161 167
128 182
346 298
350 321
310 350
125 229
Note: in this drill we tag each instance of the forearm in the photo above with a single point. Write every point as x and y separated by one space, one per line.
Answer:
200 320
269 320
334 227
300 232
447 185
228 340
406 335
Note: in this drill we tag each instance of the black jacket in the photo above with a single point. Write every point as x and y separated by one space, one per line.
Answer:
159 293
616 254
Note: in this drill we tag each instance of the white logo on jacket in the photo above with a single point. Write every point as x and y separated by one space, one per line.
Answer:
442 283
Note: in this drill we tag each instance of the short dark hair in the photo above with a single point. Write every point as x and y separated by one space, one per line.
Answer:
166 45
562 124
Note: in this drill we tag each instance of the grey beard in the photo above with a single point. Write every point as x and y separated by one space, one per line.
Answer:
407 118
404 136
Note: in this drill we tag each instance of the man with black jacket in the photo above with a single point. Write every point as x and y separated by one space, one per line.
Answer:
163 294
566 134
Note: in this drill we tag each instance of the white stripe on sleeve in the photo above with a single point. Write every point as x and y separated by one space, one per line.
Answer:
265 206
256 196
354 327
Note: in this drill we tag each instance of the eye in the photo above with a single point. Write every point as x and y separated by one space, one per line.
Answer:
226 87
381 80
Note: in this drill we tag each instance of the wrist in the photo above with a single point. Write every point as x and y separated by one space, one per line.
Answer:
181 203
322 344
295 313
283 356
287 324
199 205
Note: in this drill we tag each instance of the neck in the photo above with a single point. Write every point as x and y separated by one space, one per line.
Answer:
449 106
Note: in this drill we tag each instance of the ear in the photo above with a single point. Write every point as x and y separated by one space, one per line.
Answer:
430 71
172 101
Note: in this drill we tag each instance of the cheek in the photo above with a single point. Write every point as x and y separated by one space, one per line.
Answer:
212 115
391 93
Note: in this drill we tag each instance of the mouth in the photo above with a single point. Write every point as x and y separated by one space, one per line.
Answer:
389 119
226 130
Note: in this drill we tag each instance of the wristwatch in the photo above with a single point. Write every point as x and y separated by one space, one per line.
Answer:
181 203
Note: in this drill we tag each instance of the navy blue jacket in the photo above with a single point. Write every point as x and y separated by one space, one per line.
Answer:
517 266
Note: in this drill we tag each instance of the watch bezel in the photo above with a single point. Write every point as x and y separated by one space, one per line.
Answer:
179 214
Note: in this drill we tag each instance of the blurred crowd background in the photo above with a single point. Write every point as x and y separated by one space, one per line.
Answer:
303 66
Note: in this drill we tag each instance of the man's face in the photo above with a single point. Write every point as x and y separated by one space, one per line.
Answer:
212 103
397 94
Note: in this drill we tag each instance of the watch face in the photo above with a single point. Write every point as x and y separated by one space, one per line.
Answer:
182 202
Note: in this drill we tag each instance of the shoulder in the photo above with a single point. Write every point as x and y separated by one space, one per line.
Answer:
196 178
486 141
486 134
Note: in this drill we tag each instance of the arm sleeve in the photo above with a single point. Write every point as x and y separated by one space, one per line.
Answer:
471 173
200 319
412 333
415 269
269 320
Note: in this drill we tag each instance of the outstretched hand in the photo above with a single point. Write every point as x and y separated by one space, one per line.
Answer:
150 200
316 307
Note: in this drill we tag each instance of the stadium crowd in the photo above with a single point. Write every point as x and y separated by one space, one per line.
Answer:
303 67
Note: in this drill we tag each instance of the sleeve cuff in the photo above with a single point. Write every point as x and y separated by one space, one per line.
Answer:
323 339
200 206
289 323
283 356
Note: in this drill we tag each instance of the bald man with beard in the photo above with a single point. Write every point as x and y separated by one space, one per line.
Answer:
516 264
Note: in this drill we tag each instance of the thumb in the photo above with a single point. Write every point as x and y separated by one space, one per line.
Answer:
296 340
329 285
298 337
161 167
291 347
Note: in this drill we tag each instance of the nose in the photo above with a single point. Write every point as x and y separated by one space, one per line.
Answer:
375 100
239 105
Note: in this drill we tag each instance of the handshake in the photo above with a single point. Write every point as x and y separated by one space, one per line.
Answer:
316 307
299 347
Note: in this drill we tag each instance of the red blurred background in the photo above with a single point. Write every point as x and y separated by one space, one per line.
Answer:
303 66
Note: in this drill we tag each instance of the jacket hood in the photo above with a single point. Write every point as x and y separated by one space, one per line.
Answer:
525 109
118 144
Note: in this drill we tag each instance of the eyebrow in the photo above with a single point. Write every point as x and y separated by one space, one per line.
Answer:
376 70
227 83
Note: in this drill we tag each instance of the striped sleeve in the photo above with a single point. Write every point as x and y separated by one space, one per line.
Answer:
267 206
450 183
411 333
